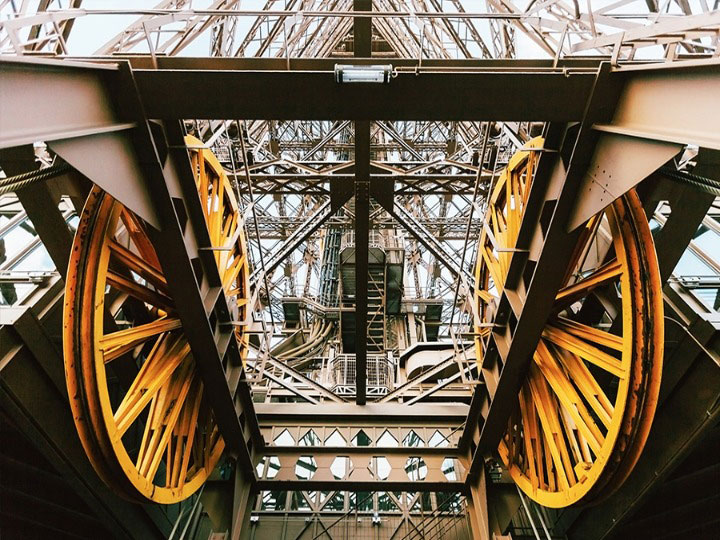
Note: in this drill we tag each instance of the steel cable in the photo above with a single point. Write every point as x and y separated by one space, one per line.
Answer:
703 183
20 181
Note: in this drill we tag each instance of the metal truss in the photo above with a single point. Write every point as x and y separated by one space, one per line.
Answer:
433 165
427 181
406 29
405 515
361 469
336 451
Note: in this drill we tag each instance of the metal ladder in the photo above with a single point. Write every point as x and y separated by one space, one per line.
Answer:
376 309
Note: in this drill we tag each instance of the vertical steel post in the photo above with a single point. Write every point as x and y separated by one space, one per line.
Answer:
362 37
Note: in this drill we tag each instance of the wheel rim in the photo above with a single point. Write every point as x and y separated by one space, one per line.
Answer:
586 406
155 439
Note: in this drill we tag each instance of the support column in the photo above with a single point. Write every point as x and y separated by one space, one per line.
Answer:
362 38
689 208
243 502
477 509
362 30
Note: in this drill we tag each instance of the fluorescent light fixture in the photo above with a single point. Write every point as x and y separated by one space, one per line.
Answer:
362 74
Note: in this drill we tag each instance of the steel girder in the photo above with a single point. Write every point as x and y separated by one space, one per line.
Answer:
372 446
410 469
557 95
362 47
371 415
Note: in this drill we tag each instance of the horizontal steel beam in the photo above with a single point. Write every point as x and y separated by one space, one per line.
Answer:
362 468
79 104
651 124
140 61
367 415
435 435
82 114
444 486
653 32
441 95
676 103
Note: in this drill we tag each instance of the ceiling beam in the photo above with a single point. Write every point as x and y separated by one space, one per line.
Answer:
541 95
378 414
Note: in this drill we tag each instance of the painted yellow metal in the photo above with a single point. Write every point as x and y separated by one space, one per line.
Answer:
114 273
585 409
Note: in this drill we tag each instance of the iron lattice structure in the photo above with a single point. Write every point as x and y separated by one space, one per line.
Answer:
435 164
292 185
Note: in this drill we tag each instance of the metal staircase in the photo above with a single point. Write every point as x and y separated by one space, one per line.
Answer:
376 308
376 292
329 269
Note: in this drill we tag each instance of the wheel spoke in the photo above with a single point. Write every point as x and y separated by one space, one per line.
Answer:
493 267
511 436
188 433
547 412
163 360
571 434
213 440
202 182
217 217
594 395
499 228
233 270
550 469
138 265
583 246
163 421
529 170
568 397
486 296
228 240
530 436
585 350
179 440
139 291
512 209
588 333
118 343
607 273
136 231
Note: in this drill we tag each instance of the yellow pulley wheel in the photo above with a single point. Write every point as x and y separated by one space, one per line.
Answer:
585 408
136 396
